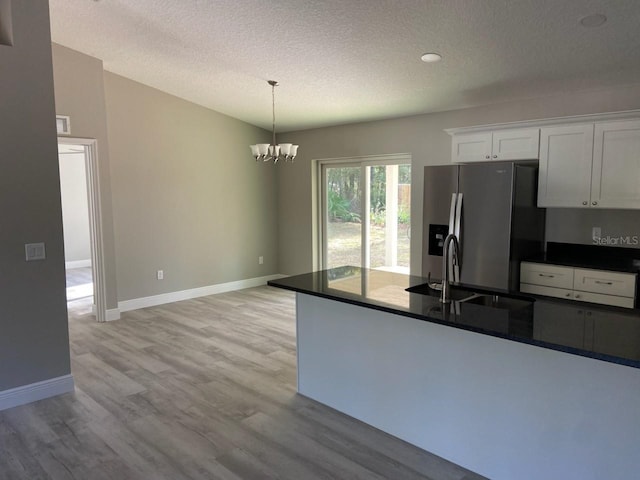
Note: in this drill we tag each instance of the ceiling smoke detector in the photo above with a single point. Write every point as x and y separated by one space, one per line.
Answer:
594 20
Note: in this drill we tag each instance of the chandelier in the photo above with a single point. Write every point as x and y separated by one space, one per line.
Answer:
273 151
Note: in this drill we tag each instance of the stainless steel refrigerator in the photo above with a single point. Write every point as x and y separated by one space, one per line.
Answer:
491 207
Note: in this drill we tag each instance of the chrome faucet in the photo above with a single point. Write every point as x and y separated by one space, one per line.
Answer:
445 297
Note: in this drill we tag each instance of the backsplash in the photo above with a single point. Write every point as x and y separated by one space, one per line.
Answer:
619 228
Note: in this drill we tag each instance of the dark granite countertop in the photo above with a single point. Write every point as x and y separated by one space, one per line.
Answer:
605 333
614 259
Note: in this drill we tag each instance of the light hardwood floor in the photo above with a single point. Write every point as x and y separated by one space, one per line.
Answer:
78 276
200 389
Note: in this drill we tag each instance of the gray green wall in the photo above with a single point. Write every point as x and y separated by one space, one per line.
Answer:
575 225
423 137
181 194
34 341
180 191
79 93
187 196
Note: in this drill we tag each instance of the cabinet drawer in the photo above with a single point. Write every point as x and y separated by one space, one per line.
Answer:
546 291
608 283
626 302
546 275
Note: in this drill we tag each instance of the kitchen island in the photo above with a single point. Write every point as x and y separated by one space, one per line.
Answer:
497 390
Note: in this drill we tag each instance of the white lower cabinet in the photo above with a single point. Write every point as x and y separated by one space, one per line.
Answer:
586 285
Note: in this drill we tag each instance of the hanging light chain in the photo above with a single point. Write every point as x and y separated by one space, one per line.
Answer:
273 108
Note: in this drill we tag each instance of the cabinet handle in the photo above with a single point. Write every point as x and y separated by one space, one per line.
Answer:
495 156
488 157
588 314
579 312
594 203
546 276
568 295
577 295
585 203
600 282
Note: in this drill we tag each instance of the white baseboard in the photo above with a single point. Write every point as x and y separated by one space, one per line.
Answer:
77 264
36 391
111 314
170 297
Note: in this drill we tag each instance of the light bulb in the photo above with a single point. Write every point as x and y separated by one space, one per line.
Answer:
285 148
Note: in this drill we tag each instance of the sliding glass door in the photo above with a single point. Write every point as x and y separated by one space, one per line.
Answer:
366 214
342 212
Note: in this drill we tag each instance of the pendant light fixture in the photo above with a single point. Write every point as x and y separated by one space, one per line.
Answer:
273 151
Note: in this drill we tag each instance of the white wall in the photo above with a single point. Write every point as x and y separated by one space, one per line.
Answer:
504 409
75 208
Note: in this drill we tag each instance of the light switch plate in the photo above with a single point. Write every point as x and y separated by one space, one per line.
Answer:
34 251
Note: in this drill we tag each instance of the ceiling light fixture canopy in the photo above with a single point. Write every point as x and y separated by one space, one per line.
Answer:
431 57
273 151
594 20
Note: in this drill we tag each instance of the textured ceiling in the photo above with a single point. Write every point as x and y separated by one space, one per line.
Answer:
342 61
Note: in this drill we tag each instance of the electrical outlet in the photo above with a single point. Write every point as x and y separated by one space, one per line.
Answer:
160 275
260 260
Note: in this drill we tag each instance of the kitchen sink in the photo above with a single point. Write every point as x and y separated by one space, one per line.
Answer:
456 293
461 296
498 301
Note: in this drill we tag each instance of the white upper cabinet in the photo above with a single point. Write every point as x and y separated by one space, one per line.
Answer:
566 155
586 161
616 165
471 147
590 166
509 144
516 144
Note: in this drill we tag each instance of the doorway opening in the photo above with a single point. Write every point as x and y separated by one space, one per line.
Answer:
79 190
366 213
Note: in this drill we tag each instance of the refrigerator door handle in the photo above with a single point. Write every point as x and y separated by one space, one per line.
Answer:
456 229
452 212
452 225
458 233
